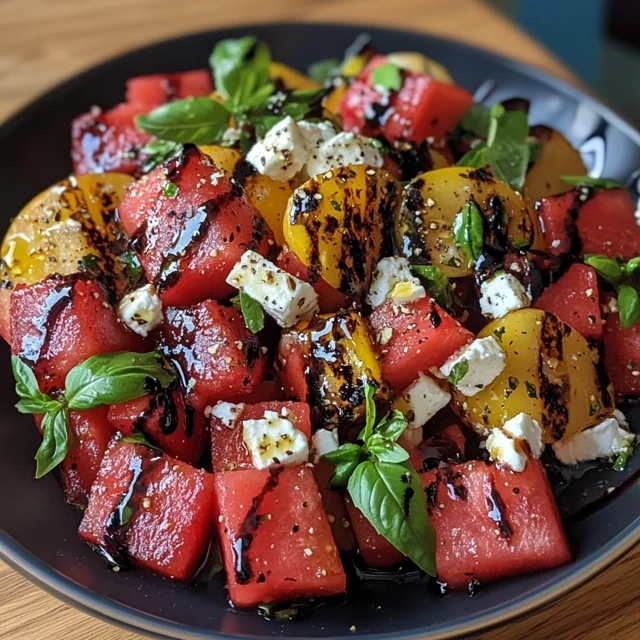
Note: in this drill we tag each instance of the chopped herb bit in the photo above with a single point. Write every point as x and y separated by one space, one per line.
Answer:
387 77
336 205
620 462
498 333
170 190
458 371
514 382
531 389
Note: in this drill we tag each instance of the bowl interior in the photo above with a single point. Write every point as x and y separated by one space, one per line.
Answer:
38 532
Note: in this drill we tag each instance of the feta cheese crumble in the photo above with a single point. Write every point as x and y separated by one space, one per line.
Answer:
506 445
274 440
605 440
290 146
141 310
324 441
485 361
227 412
393 278
424 398
524 428
501 294
284 297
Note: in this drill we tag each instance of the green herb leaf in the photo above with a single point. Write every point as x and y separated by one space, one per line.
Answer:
508 150
437 284
609 269
32 400
345 453
342 473
240 67
283 613
476 158
468 230
132 267
536 147
137 437
621 460
251 310
55 441
587 181
387 77
631 267
386 450
370 409
158 151
476 120
532 392
629 304
498 333
125 515
170 190
196 120
91 263
458 371
112 378
324 69
391 498
392 426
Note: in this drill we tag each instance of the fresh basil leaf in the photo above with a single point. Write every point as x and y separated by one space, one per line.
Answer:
508 151
392 426
370 411
342 473
476 120
32 400
345 453
322 70
387 451
251 312
458 371
137 437
438 285
588 181
631 267
387 77
240 67
476 158
390 496
629 304
196 120
132 267
536 147
606 267
158 151
112 378
55 441
468 230
621 460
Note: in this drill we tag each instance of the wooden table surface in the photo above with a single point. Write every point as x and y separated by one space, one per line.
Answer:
45 41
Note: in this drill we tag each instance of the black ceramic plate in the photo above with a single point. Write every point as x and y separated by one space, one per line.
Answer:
38 532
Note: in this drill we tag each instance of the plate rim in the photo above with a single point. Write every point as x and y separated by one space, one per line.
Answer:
45 577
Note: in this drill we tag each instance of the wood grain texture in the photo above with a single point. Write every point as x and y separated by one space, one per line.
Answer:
45 41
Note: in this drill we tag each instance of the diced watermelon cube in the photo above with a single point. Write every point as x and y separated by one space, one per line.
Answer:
275 537
228 450
493 523
218 356
153 90
622 356
414 337
575 300
60 322
165 421
150 510
190 225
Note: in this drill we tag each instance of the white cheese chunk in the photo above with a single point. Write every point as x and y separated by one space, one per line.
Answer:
485 361
281 153
341 150
525 429
605 440
141 310
274 440
227 412
501 294
284 297
505 450
388 274
316 133
424 398
324 441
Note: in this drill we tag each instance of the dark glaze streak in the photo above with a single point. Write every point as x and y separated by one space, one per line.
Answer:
497 513
602 377
242 172
480 175
34 346
581 195
163 405
248 529
406 501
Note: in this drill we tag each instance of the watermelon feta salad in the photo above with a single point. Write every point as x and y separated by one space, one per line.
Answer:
304 324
